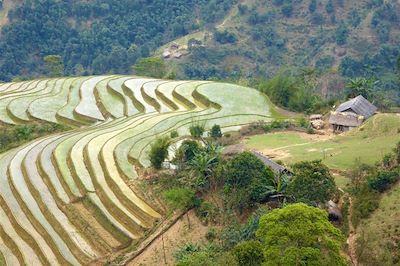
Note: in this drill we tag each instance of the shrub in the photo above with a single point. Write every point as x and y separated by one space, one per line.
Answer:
187 151
174 134
310 130
186 250
365 202
383 180
312 183
249 253
300 235
197 131
303 122
211 234
207 212
159 152
216 131
180 198
246 180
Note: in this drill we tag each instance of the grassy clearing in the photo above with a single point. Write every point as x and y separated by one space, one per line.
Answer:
367 144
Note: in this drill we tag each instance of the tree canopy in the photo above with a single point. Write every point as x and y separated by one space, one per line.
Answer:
312 183
300 235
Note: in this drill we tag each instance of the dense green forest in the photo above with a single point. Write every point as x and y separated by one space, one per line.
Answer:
243 40
98 36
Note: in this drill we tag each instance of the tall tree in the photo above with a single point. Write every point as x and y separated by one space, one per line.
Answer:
300 235
54 65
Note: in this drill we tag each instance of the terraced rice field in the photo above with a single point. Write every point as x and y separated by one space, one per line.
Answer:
72 198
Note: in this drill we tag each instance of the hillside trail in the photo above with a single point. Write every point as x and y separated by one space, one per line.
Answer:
352 238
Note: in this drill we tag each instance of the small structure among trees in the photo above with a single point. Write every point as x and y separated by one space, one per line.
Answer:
351 114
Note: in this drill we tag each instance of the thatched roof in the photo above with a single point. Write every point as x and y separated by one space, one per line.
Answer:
358 105
345 119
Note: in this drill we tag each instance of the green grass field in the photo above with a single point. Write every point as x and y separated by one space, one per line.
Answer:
367 144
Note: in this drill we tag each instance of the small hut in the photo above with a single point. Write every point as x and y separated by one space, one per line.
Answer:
358 105
351 114
342 122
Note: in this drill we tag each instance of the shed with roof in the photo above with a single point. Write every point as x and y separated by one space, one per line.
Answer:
351 114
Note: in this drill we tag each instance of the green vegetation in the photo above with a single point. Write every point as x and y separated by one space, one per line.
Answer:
150 67
294 91
312 183
14 136
96 37
159 152
247 180
376 137
303 234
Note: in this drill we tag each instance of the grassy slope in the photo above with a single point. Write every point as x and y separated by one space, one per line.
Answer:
368 143
381 231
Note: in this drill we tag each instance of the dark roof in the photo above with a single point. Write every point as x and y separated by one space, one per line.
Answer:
346 119
277 168
358 105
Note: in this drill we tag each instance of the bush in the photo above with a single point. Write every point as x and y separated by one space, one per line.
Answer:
312 183
365 202
211 234
249 253
159 152
207 212
383 180
303 122
186 250
180 198
187 151
197 131
246 180
216 131
174 134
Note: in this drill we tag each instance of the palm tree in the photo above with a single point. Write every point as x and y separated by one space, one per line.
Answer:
203 163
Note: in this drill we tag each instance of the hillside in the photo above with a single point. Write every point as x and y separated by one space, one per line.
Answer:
366 144
95 37
75 197
259 37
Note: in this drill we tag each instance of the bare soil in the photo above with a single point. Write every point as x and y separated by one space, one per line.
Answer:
162 250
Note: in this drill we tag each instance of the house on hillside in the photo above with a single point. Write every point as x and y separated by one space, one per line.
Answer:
351 114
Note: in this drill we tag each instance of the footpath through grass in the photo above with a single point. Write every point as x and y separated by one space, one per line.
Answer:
366 144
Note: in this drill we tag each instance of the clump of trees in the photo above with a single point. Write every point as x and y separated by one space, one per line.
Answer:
297 92
247 180
312 183
150 67
303 234
294 234
118 35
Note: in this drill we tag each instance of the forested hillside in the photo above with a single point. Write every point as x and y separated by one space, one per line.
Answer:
228 39
353 38
96 36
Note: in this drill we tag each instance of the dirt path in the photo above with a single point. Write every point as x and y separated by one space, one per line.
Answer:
352 238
